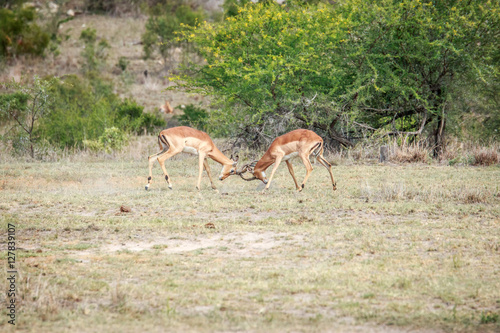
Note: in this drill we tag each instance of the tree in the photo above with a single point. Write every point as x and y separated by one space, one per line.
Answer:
163 25
379 67
19 34
410 56
265 65
27 104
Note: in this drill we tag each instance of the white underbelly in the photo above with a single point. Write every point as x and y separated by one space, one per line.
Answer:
190 150
289 156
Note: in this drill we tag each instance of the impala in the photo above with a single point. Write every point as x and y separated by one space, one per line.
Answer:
166 108
300 143
176 140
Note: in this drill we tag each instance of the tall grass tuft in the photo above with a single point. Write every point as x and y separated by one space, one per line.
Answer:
486 156
415 152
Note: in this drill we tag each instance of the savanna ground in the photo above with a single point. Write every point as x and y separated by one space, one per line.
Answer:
395 248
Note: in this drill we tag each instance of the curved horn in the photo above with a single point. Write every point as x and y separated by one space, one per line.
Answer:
247 179
243 169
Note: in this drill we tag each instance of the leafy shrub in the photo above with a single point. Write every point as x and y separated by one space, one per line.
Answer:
166 21
112 139
193 116
85 107
489 317
231 7
122 63
19 34
94 53
82 110
133 118
26 105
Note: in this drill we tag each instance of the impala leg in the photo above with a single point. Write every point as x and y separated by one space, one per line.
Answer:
201 158
162 158
151 161
328 166
309 168
276 165
207 168
290 168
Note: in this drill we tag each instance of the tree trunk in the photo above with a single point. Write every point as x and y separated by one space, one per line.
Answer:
439 144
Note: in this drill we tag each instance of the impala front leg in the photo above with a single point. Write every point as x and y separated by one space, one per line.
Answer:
207 168
290 168
201 159
162 159
151 161
309 168
276 164
328 166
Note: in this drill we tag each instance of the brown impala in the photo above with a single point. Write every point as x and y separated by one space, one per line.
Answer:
176 140
300 143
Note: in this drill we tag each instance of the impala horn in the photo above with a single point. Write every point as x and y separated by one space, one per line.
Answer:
245 169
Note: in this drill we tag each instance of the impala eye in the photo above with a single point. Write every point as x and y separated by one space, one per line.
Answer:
232 170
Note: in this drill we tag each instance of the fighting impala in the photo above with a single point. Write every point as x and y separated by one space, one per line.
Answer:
176 140
300 142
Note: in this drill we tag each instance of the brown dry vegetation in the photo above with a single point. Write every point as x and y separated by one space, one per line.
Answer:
486 156
395 248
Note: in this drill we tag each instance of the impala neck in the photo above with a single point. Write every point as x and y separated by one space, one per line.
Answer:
219 157
264 163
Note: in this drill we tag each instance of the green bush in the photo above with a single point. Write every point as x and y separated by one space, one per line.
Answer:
94 53
25 105
122 63
193 116
85 107
19 34
164 24
133 118
112 139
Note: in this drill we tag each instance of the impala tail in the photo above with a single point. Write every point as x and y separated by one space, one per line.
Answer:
316 150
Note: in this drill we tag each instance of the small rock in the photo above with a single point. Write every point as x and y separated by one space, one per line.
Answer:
210 225
125 209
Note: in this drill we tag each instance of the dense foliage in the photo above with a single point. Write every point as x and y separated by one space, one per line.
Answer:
26 106
193 116
355 68
19 34
71 112
84 109
165 22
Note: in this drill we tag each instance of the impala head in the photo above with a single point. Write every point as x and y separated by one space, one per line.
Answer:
166 108
257 174
229 169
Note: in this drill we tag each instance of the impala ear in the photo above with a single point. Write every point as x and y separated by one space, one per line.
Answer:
236 158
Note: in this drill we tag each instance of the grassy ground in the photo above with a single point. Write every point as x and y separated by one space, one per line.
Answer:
394 248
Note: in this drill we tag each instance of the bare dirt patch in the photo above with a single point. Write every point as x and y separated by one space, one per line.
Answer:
240 244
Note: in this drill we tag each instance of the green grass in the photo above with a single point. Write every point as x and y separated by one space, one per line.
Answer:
410 247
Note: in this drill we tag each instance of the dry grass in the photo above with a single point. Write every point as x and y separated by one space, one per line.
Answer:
409 153
486 156
395 248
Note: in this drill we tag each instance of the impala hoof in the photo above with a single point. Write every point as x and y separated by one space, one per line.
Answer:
170 186
147 187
